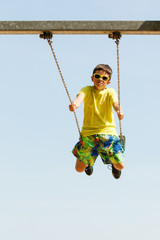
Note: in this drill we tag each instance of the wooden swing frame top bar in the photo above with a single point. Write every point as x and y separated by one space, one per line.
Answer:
80 27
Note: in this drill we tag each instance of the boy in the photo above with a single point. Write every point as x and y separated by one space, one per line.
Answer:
98 135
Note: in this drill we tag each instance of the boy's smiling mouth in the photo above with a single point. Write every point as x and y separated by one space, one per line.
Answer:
99 82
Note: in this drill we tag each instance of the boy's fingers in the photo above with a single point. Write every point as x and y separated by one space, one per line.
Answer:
72 107
120 115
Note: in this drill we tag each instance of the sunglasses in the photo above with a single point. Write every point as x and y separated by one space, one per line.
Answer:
98 76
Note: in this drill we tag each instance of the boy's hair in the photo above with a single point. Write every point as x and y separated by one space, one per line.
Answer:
103 67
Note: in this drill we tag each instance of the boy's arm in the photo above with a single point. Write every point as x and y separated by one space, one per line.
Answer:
76 103
118 111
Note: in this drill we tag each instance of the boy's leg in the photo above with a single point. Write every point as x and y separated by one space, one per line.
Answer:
80 166
119 166
112 152
85 155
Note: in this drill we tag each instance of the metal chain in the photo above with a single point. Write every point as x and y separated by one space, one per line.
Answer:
65 86
118 77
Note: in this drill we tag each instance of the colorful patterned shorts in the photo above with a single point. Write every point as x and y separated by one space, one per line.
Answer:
108 147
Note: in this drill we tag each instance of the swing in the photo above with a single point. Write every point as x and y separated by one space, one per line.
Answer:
114 35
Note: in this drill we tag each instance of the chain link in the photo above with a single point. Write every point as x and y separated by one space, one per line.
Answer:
63 81
118 77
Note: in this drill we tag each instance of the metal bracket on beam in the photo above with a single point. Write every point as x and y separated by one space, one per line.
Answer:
46 35
115 35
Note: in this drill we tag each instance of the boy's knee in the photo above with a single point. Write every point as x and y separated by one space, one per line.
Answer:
80 166
79 169
119 166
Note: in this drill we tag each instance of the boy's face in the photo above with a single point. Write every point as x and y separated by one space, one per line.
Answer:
99 83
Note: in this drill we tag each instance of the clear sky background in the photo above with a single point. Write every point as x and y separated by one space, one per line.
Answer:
41 195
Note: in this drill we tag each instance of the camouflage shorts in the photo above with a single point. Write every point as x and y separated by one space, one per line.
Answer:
108 147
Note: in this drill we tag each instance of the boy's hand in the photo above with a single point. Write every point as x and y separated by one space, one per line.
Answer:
76 103
118 111
120 115
72 106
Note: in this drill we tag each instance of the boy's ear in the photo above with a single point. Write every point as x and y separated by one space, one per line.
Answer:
108 82
92 78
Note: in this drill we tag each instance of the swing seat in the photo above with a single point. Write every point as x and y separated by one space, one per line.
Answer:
123 141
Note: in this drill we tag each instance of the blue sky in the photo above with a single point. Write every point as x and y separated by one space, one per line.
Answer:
41 195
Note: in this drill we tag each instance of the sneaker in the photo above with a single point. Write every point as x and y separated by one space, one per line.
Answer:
116 173
89 170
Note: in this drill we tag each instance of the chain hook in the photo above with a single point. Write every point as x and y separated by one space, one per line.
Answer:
115 35
46 35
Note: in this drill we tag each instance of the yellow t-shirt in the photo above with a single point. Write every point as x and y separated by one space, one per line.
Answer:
98 112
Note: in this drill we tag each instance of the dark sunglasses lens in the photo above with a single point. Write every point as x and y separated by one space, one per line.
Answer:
97 76
104 78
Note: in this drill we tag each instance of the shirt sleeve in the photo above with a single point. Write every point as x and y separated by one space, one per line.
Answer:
84 91
113 96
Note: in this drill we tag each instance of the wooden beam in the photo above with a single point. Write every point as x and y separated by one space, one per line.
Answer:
80 27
